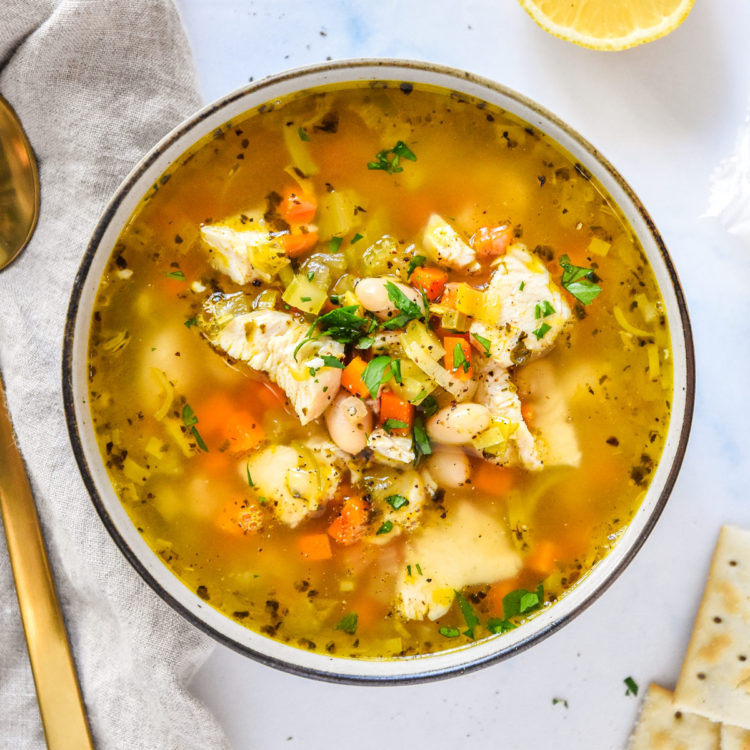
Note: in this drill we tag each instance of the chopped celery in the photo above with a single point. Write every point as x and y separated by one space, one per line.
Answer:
266 300
469 301
304 295
299 151
337 213
415 387
494 439
322 268
220 308
155 447
622 320
418 334
286 274
647 308
134 471
385 256
164 383
455 321
422 357
345 283
654 368
599 247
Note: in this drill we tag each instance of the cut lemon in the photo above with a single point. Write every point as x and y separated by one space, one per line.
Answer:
608 24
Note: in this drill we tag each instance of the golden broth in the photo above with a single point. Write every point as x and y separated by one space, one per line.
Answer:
476 166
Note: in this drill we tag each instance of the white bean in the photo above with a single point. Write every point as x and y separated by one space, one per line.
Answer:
449 466
373 295
348 420
458 423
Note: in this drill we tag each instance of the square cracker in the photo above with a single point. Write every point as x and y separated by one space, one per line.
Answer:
734 738
661 726
715 677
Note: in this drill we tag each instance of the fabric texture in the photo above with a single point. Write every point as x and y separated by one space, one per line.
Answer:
96 83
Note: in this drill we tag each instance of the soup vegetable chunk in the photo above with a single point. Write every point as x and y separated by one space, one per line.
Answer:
379 370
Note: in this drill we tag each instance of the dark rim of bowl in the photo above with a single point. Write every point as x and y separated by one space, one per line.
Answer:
77 445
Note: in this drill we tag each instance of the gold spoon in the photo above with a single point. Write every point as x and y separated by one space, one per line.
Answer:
59 695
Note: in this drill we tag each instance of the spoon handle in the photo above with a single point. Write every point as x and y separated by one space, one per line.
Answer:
59 695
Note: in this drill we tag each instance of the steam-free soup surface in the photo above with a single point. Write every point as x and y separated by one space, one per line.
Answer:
377 371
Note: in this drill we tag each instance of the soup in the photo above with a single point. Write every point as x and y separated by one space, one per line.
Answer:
378 371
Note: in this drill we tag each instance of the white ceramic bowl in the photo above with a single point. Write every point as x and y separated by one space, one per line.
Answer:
150 566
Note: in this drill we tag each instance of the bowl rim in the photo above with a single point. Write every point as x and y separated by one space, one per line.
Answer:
404 66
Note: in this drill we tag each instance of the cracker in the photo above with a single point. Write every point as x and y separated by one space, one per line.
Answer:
734 738
663 727
715 677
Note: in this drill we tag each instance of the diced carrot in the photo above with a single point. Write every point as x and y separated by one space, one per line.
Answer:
244 432
450 295
491 478
244 520
351 378
393 407
542 558
299 242
270 396
368 610
297 207
216 462
351 522
431 280
461 368
315 546
488 241
221 419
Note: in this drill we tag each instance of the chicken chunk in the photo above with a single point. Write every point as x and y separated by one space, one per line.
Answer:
391 450
444 243
470 547
530 307
267 340
388 492
245 255
500 396
556 435
296 483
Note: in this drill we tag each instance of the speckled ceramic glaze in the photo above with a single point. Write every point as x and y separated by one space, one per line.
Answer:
150 566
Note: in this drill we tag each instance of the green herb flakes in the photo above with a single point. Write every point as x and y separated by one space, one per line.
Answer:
330 361
449 632
410 310
357 237
631 686
348 623
190 322
429 405
564 702
190 420
395 424
310 275
414 263
542 330
250 482
497 625
578 282
375 372
521 601
485 343
422 445
397 501
459 359
179 275
389 159
385 528
334 244
470 616
303 136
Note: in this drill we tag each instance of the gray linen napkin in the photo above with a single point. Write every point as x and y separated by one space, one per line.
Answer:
96 83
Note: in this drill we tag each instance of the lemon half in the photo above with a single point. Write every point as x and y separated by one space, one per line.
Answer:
608 24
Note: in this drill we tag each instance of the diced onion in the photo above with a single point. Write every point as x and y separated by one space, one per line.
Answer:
163 382
654 367
620 318
299 151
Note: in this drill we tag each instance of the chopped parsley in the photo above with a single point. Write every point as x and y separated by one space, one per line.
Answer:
497 625
396 501
521 601
357 237
342 325
190 322
310 275
329 361
449 632
334 244
422 445
385 528
539 332
631 686
389 159
419 569
578 281
555 701
365 342
459 359
429 405
250 482
521 286
374 375
396 371
305 299
348 623
543 310
414 263
486 343
395 424
190 420
410 310
302 135
470 616
179 275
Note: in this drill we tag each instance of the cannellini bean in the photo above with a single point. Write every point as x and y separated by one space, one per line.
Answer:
458 423
373 296
449 466
348 420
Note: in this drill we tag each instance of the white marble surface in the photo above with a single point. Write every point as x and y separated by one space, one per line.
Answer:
664 114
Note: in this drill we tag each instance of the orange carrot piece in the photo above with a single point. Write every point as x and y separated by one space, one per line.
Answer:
351 378
297 207
315 546
244 432
368 610
431 280
220 419
268 395
298 242
490 478
489 241
450 295
526 412
542 558
351 523
244 520
464 370
393 407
